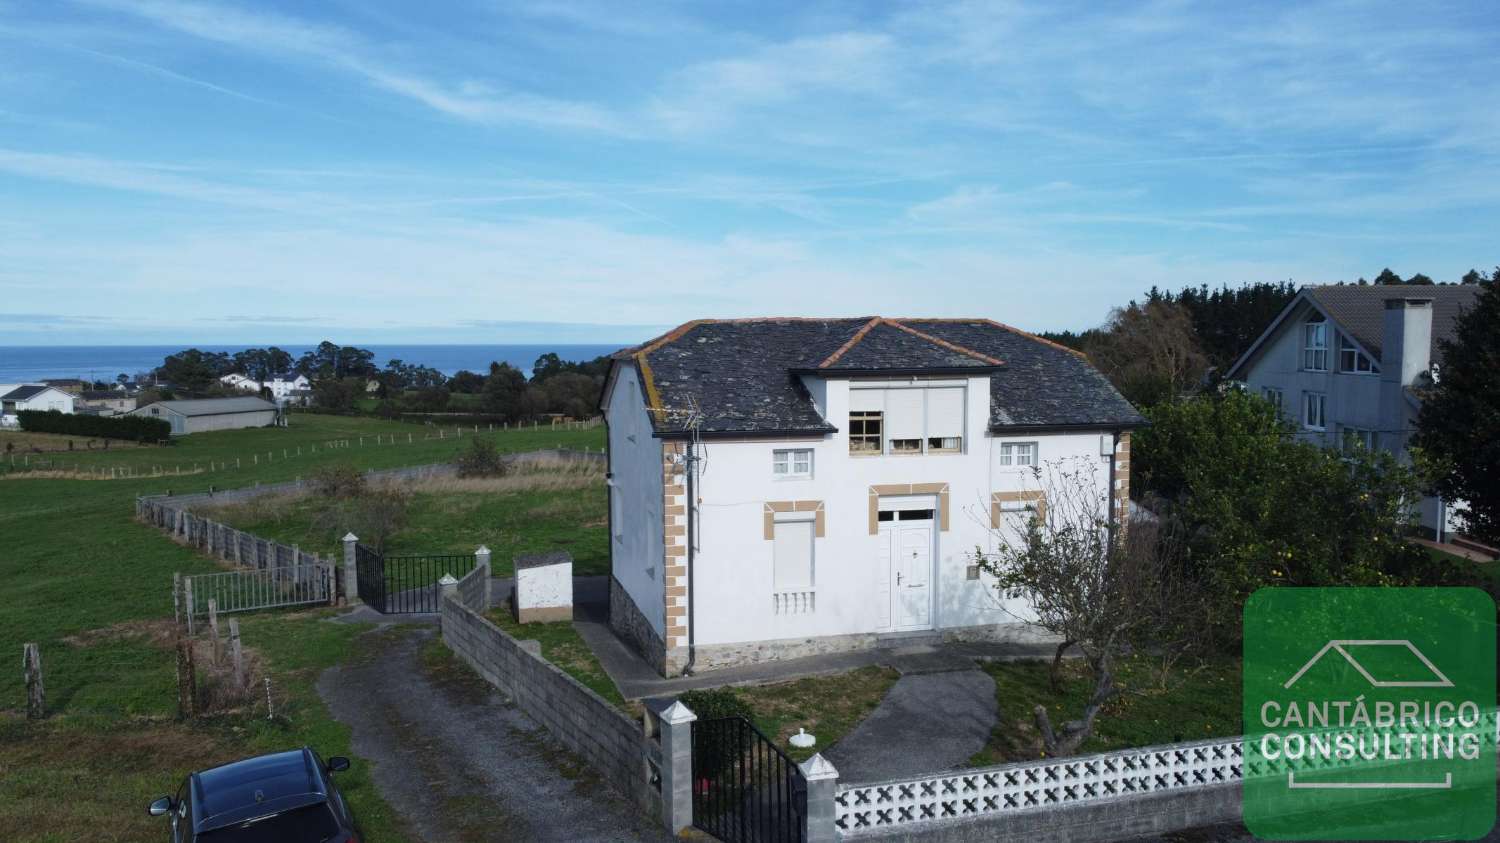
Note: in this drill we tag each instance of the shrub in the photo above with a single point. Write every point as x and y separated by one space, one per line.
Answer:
715 703
134 428
482 459
339 480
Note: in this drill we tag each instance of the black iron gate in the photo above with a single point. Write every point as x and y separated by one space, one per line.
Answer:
745 789
405 584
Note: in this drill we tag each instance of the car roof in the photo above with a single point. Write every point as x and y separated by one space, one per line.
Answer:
254 787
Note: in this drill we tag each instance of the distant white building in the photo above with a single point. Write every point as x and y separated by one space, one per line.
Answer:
16 397
281 386
1349 365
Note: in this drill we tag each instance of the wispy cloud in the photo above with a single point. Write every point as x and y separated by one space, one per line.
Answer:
269 33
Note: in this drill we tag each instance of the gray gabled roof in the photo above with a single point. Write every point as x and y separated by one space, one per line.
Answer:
740 376
22 393
214 406
1359 311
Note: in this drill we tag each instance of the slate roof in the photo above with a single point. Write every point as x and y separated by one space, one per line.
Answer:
741 375
1360 310
22 393
214 406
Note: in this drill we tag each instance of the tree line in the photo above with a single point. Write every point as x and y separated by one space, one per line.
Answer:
342 376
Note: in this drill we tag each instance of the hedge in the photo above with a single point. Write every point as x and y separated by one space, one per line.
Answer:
135 428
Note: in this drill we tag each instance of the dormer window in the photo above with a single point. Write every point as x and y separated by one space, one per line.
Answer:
906 420
1315 344
1354 361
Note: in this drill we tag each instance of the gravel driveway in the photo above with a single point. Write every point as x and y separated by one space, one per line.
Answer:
457 761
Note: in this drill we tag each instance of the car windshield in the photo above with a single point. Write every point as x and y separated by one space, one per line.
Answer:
310 824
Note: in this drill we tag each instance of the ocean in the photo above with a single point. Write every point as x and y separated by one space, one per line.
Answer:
19 364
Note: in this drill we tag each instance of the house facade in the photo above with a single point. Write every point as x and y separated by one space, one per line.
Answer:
1347 365
282 386
17 397
785 487
105 402
201 415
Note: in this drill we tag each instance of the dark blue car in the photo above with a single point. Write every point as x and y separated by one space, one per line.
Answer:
286 797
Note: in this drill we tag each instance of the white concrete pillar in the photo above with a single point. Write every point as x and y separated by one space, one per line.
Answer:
351 572
822 784
482 560
676 726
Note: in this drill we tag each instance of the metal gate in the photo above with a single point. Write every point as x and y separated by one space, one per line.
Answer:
404 584
745 789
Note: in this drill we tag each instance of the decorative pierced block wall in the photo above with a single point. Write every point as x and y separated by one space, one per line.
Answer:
969 794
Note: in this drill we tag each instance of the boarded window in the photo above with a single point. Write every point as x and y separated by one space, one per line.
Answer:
793 553
864 432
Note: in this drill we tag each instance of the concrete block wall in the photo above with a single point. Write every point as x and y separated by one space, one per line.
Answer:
614 745
1086 822
471 589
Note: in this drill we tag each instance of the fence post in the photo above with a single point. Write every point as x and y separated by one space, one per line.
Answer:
676 729
213 627
36 696
482 560
822 785
187 587
187 678
177 597
236 655
351 574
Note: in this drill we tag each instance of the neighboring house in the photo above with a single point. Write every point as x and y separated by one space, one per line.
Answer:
105 402
199 415
1348 364
34 397
282 386
70 385
843 472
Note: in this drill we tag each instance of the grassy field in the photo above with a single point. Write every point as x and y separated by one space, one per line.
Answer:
1194 705
538 507
92 587
20 443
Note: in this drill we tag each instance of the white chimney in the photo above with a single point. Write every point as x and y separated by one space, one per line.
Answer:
1406 350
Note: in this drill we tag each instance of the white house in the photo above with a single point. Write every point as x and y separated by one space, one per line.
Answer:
281 385
17 397
784 487
1348 364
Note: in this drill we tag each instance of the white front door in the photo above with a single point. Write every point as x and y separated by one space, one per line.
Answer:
905 559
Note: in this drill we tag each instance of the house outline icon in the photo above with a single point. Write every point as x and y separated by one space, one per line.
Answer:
1338 644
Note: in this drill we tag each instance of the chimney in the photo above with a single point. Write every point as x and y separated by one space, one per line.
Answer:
1406 351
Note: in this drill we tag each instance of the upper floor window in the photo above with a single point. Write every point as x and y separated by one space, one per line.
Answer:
792 463
1272 394
1018 453
865 429
1315 344
1351 359
906 420
1314 411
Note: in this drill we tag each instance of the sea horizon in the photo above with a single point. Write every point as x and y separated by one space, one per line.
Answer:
24 363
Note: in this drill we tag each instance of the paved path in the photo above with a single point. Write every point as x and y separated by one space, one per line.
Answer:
458 762
928 722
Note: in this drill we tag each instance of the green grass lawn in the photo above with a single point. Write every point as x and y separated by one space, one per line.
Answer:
564 647
1195 704
826 706
531 511
92 587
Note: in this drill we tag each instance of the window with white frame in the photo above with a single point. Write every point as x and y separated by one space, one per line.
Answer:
1352 439
1018 453
1354 361
911 420
792 463
1274 395
1315 344
1314 410
792 554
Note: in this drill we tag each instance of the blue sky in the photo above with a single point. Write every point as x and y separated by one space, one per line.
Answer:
483 171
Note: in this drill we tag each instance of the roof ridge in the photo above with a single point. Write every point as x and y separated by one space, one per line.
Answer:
951 346
1042 340
853 341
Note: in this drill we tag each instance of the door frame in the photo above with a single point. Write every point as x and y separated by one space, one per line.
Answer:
898 503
